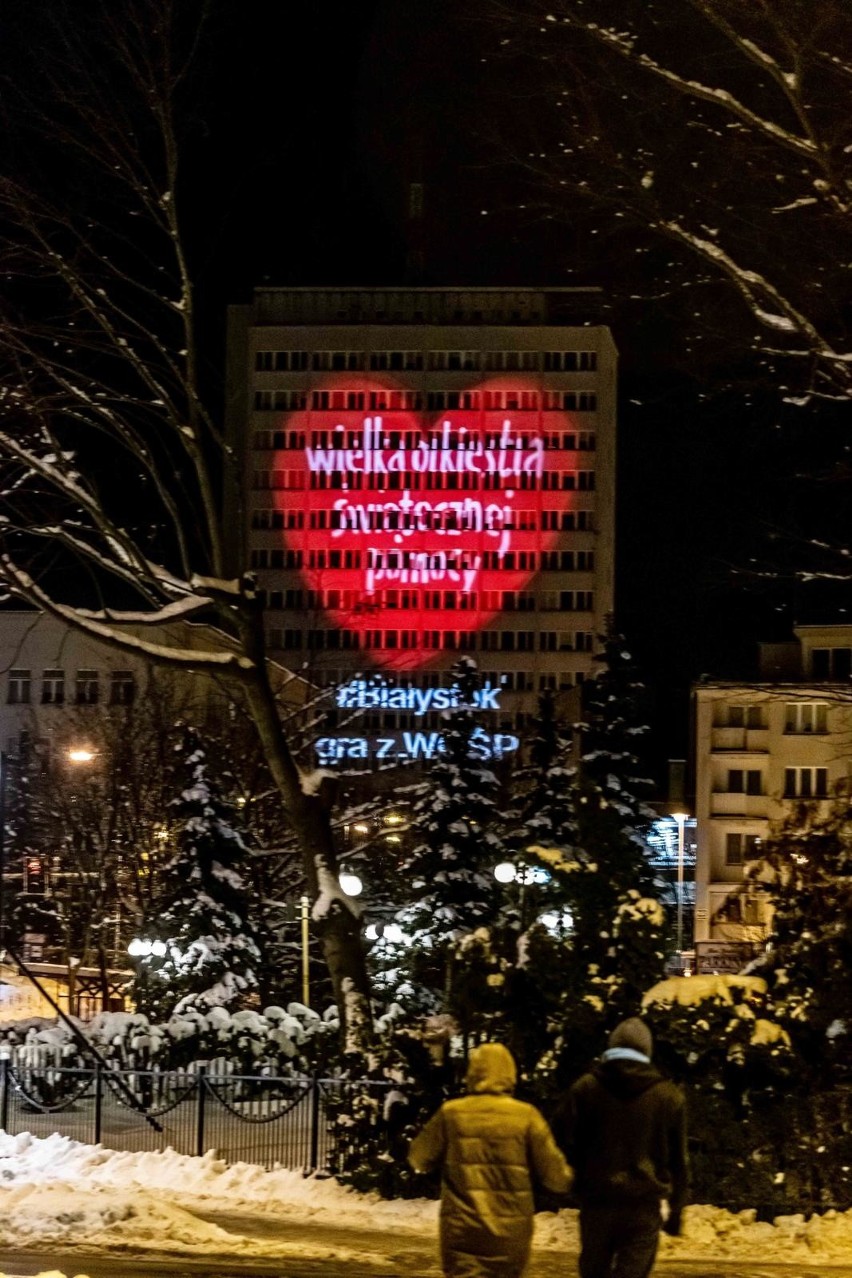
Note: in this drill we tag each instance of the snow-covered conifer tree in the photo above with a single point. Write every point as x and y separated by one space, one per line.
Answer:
451 866
204 949
805 867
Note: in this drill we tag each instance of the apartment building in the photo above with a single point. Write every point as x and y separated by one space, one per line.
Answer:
760 748
53 679
425 473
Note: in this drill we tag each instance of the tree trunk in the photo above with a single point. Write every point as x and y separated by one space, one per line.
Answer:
337 920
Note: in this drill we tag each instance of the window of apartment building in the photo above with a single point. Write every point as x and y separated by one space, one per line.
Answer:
281 361
20 687
744 781
570 361
87 688
122 688
832 663
745 716
454 361
53 688
740 848
576 601
805 783
280 401
570 401
806 716
396 360
339 361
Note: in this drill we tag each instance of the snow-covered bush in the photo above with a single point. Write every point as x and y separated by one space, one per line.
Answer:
276 1041
375 1117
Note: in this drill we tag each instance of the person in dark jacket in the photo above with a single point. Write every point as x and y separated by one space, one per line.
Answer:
622 1128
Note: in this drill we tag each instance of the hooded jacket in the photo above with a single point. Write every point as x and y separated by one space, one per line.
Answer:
623 1128
490 1149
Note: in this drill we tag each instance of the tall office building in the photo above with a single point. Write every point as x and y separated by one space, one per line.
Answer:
426 473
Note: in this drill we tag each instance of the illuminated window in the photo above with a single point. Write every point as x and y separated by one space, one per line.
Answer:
53 687
20 685
806 716
805 783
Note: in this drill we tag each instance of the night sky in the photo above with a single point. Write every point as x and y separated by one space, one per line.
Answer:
318 118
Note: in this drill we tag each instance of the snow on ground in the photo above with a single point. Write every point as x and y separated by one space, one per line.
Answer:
57 1191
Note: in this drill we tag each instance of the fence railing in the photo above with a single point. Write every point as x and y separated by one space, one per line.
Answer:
275 1122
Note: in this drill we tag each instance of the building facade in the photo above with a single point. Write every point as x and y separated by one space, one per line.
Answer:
760 748
425 473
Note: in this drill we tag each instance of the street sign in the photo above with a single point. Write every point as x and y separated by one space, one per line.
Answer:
722 956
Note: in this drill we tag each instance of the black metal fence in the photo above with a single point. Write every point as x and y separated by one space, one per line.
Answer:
275 1122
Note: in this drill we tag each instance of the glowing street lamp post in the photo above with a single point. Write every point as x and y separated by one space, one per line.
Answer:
681 818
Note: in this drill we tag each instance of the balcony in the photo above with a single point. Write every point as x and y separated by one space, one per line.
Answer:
741 805
743 740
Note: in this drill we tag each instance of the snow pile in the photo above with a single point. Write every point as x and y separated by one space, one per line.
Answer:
714 1232
56 1191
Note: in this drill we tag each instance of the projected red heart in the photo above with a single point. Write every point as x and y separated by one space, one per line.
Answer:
408 527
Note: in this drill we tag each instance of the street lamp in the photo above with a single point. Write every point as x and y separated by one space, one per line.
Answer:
524 876
80 754
681 818
350 883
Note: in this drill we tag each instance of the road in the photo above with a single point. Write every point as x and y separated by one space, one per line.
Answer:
27 1264
411 1256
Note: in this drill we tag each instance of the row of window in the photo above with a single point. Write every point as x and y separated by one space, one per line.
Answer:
388 720
273 520
800 717
290 401
799 782
510 681
431 640
298 440
489 560
348 481
417 361
371 520
84 689
446 600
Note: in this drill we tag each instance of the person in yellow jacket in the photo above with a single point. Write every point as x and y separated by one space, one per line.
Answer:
492 1151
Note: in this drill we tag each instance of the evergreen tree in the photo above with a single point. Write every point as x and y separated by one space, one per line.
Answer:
805 867
585 820
451 868
610 816
204 951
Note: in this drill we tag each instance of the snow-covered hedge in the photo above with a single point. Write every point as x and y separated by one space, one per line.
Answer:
278 1040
